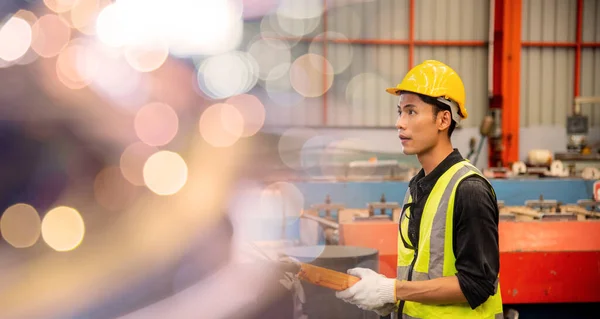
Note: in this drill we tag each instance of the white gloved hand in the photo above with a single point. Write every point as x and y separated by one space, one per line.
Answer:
385 310
373 291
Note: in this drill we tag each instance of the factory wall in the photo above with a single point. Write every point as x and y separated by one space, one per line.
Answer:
368 51
547 73
590 59
363 70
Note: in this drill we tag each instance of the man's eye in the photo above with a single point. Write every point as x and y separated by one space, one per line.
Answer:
411 112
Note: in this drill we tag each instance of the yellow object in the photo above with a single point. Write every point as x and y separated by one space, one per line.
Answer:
435 257
434 78
586 151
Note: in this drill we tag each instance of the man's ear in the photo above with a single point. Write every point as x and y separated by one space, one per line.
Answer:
444 119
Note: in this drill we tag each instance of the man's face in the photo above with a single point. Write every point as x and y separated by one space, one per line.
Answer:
417 127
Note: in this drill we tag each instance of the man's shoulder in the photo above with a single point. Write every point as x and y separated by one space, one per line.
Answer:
474 184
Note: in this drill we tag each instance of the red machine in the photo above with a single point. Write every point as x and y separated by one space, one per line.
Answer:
540 261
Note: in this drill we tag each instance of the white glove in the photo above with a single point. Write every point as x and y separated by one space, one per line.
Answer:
385 310
373 291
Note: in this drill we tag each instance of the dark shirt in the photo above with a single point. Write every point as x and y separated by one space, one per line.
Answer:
475 236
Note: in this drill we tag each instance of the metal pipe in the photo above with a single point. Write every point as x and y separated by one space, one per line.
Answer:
584 100
320 220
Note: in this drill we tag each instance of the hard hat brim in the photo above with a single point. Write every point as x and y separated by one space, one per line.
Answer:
393 91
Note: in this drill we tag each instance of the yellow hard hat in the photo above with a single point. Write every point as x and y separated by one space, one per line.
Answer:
436 79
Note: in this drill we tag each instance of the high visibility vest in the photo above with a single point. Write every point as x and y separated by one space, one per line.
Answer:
434 257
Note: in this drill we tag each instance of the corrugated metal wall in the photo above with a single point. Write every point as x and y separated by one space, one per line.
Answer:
590 59
357 97
547 73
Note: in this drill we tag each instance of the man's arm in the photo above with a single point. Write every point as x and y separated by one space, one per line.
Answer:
444 290
476 240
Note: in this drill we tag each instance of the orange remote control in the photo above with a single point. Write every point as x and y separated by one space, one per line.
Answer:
326 277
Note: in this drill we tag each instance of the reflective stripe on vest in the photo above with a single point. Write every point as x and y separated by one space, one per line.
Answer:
435 258
405 316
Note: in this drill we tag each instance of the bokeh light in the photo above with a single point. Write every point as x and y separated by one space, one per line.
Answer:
342 52
258 210
63 228
20 225
60 6
221 125
282 200
29 57
108 26
205 27
300 9
294 26
337 153
68 65
269 29
311 75
228 74
147 57
113 77
156 124
26 15
290 146
132 162
279 87
112 191
50 35
15 39
269 54
165 173
190 27
311 154
84 14
338 18
252 111
360 89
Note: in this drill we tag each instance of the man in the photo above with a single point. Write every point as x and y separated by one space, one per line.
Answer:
448 256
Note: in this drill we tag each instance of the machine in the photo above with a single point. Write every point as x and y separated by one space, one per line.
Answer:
549 225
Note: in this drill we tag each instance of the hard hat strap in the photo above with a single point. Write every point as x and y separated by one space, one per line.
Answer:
454 110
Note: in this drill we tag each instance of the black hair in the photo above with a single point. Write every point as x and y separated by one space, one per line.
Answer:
437 108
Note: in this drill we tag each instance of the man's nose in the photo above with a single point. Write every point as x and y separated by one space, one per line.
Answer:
400 123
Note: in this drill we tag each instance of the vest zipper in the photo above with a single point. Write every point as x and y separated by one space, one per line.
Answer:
409 278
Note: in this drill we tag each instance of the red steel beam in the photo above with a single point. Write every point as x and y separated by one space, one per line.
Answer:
511 78
550 44
560 44
433 43
504 149
411 34
577 70
389 41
